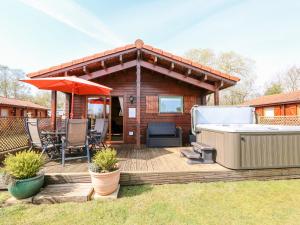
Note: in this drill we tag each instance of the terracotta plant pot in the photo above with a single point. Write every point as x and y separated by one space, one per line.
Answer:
105 183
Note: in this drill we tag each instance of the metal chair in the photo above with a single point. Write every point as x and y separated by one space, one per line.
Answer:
98 135
76 138
41 141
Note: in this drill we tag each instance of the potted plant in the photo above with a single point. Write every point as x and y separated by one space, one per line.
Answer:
104 171
22 174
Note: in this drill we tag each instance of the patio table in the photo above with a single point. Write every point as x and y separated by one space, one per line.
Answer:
54 134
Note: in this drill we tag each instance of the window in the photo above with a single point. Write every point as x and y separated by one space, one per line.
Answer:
4 112
170 104
269 112
96 107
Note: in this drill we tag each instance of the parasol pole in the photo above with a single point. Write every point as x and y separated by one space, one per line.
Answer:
72 102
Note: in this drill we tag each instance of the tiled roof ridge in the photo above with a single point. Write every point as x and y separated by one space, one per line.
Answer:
275 98
139 44
19 102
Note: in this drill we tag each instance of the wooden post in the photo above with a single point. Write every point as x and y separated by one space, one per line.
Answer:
216 97
203 99
109 117
138 102
67 105
104 107
216 94
53 109
282 113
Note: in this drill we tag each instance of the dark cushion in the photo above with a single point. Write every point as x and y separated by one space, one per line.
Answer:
162 128
162 136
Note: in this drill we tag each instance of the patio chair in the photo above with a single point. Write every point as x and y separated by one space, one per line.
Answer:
99 125
39 141
98 135
76 138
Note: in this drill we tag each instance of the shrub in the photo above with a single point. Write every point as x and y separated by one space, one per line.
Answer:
105 161
23 165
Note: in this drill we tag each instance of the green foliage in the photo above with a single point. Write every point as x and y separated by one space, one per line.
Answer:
106 160
4 195
274 88
23 165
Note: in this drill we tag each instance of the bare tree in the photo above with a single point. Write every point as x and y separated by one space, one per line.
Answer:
10 86
291 78
4 81
233 64
205 56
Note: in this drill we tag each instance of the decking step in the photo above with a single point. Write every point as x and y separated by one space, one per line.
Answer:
198 147
70 192
190 154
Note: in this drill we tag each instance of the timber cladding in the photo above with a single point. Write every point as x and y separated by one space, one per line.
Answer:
153 85
80 106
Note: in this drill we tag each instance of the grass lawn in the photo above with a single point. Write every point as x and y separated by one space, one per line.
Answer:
247 202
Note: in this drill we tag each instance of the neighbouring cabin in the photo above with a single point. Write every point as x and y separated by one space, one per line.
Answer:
10 107
285 104
148 85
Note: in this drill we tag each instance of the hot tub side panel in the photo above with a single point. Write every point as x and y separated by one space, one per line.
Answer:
270 150
227 146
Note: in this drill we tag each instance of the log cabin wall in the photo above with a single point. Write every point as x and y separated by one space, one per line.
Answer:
80 107
152 84
22 111
292 109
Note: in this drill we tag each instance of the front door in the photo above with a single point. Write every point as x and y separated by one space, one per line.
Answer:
116 120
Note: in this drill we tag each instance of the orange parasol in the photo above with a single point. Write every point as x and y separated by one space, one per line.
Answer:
71 84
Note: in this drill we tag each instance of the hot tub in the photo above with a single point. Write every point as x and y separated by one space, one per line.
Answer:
252 146
240 143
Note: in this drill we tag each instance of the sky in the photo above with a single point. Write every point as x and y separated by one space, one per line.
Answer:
35 34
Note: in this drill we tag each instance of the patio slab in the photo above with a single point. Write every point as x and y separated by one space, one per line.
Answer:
70 192
112 196
14 201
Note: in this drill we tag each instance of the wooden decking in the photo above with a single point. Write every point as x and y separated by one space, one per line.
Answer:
145 160
160 166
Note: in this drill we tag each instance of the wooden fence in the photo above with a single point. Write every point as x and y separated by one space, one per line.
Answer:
280 120
13 133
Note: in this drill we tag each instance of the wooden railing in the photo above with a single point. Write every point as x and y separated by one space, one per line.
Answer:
280 120
13 133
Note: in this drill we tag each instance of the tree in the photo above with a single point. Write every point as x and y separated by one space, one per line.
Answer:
291 78
43 98
233 64
205 56
10 86
274 88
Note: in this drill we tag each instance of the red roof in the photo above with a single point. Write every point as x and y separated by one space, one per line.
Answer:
139 44
283 98
19 103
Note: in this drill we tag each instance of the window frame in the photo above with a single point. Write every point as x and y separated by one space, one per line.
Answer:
170 96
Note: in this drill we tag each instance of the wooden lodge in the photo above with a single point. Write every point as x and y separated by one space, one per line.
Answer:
11 107
284 104
148 84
